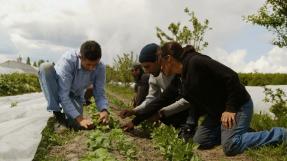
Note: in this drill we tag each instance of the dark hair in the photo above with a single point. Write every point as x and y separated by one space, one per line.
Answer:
91 50
175 50
138 66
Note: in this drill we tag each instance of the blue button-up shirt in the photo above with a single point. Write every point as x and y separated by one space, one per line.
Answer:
73 79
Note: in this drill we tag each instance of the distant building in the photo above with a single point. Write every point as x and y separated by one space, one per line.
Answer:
11 66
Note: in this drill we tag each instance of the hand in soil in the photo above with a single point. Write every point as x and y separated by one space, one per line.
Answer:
126 113
85 122
129 126
104 117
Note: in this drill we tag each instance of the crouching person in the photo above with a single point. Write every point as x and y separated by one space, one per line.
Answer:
173 112
217 93
64 85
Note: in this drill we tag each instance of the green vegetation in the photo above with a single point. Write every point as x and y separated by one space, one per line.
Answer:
260 79
273 16
108 138
265 122
186 35
121 69
172 147
13 104
51 139
18 83
125 92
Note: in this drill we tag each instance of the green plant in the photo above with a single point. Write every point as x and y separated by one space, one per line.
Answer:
13 104
172 147
122 67
269 153
260 79
108 137
273 16
278 100
185 35
18 83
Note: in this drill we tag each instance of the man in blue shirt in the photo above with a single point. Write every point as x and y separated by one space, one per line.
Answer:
65 83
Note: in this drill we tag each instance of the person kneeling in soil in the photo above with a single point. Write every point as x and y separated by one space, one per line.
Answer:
217 93
64 85
176 112
141 84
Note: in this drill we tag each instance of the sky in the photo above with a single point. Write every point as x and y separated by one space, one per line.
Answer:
44 29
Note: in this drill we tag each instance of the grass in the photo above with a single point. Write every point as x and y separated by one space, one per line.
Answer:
259 122
125 92
117 102
268 153
50 139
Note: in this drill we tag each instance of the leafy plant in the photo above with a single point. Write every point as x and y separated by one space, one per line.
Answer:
172 147
18 83
273 16
13 104
186 35
122 65
278 100
107 138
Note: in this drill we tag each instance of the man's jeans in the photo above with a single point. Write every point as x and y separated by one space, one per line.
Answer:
48 81
237 139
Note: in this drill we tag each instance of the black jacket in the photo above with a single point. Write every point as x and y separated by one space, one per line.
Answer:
212 86
208 85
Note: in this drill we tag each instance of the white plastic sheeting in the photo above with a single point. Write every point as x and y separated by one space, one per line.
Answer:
21 126
257 95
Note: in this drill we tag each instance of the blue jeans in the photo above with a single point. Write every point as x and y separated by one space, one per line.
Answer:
236 139
49 85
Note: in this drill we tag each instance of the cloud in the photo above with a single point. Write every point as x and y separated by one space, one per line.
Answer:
274 61
4 58
45 29
6 45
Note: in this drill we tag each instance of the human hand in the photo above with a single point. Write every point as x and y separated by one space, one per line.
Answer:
129 126
85 122
126 113
104 117
228 119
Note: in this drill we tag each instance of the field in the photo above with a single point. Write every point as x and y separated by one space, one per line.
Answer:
146 142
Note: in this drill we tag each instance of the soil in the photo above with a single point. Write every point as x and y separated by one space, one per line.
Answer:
72 150
77 147
214 154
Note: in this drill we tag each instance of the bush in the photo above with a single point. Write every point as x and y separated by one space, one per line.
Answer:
18 83
260 79
172 147
278 100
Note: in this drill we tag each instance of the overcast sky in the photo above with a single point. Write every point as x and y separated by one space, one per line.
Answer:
44 29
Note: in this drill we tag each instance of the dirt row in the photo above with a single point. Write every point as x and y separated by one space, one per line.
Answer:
214 154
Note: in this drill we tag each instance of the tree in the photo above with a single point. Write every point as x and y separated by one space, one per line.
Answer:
122 66
184 35
35 64
111 74
273 16
28 61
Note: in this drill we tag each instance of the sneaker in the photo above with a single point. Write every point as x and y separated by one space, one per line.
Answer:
61 118
187 131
